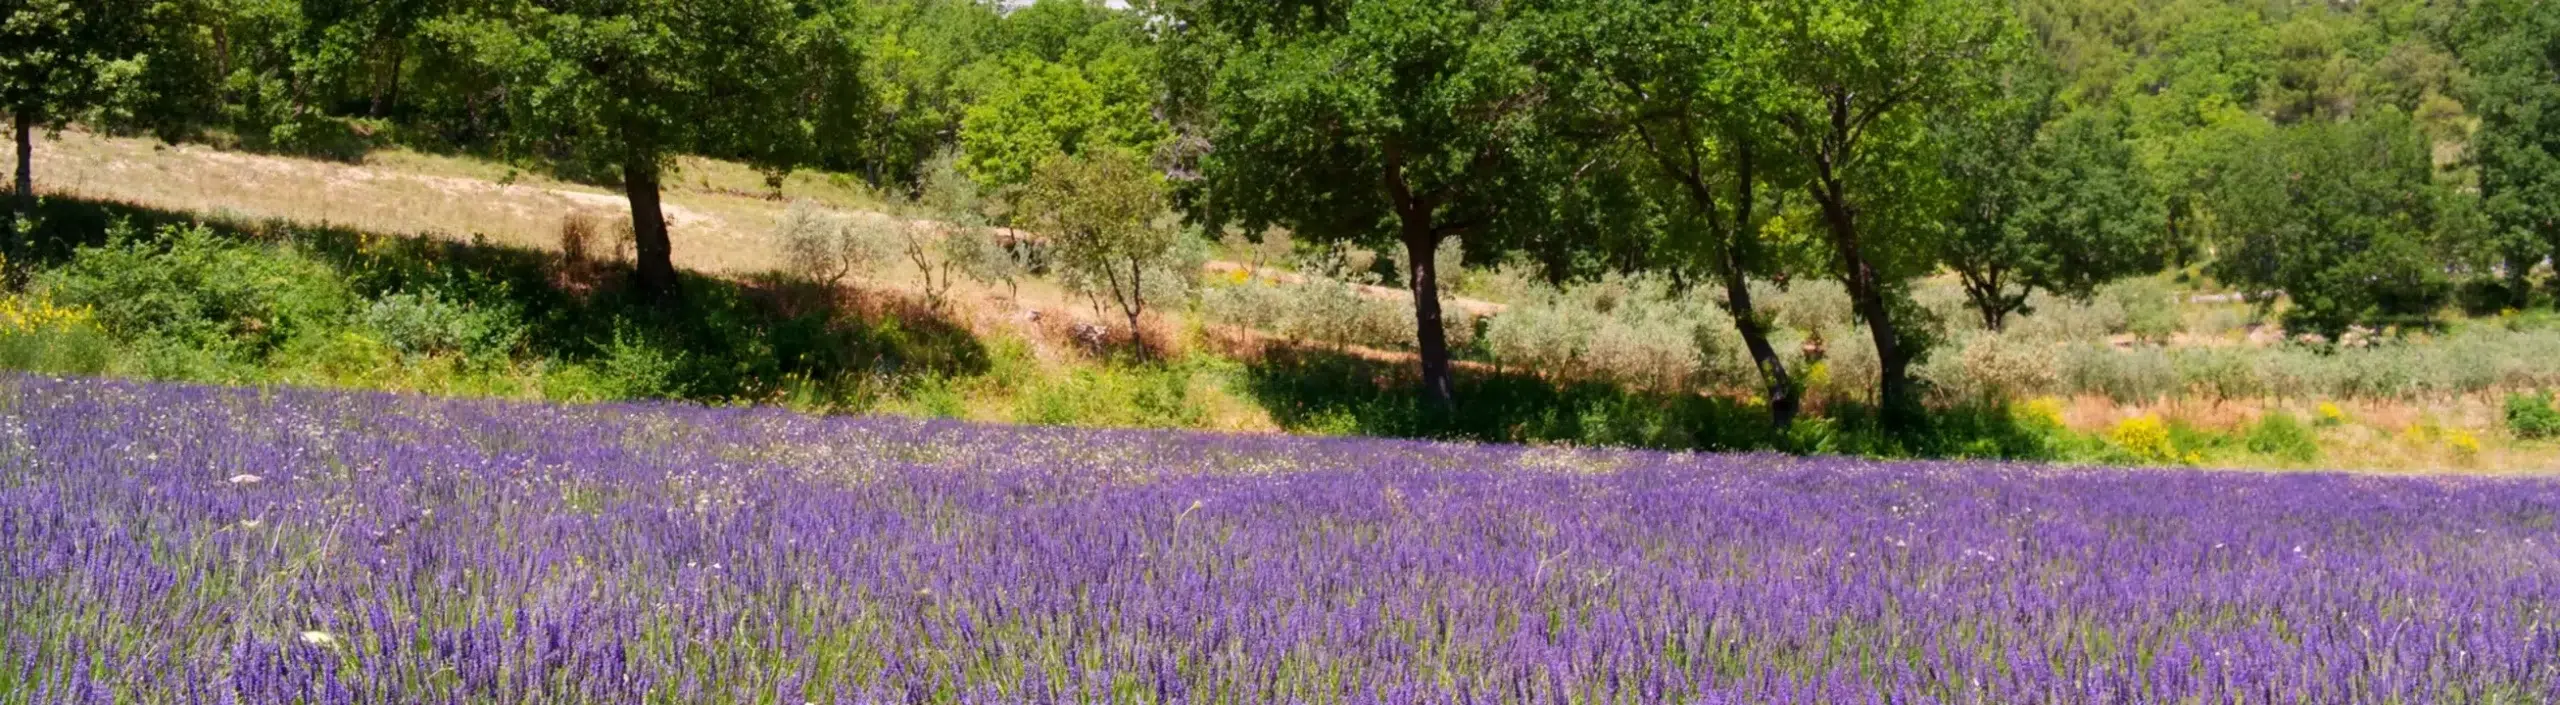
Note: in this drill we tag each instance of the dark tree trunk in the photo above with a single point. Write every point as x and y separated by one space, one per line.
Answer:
1784 401
1984 292
1134 304
1899 408
24 122
656 274
1784 398
1736 240
1421 236
386 94
1421 247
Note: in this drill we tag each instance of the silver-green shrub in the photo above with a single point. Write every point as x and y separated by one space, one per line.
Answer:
2131 375
1983 367
1640 331
2150 309
1805 305
828 246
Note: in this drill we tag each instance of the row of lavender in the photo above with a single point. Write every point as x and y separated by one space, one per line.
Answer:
191 544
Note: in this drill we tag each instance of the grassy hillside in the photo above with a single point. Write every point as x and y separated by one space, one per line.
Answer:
446 275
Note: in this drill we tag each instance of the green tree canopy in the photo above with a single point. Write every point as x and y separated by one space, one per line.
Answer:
1385 119
2043 202
604 86
2513 50
1677 87
1855 84
60 59
1074 76
2343 218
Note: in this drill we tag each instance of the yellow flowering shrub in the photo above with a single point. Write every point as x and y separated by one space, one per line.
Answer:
32 314
2146 439
2039 413
2329 414
2465 445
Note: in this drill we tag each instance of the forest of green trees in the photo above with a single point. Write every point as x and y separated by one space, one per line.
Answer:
2374 162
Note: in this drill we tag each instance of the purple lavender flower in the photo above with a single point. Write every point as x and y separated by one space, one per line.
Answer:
481 552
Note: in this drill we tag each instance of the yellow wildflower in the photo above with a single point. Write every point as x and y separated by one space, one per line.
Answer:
25 314
2146 438
2465 445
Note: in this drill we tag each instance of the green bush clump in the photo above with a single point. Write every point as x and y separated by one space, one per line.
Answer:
429 323
2279 434
2531 416
2130 376
188 285
1987 368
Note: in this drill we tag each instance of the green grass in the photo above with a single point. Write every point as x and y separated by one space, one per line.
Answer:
58 351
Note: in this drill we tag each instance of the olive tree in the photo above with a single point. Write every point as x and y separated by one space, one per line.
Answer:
1106 215
2043 201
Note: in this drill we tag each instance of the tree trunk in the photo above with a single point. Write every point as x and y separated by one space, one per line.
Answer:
656 274
26 127
1135 305
1421 239
1784 401
11 248
386 94
1988 303
1982 292
1421 249
1898 407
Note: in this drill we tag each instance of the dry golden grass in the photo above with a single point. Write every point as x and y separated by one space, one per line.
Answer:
721 219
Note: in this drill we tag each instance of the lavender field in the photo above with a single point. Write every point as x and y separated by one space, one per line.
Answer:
210 545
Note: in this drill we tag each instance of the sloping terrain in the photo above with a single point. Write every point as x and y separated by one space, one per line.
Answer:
394 193
720 214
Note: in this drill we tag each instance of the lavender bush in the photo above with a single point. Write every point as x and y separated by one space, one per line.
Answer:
183 544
